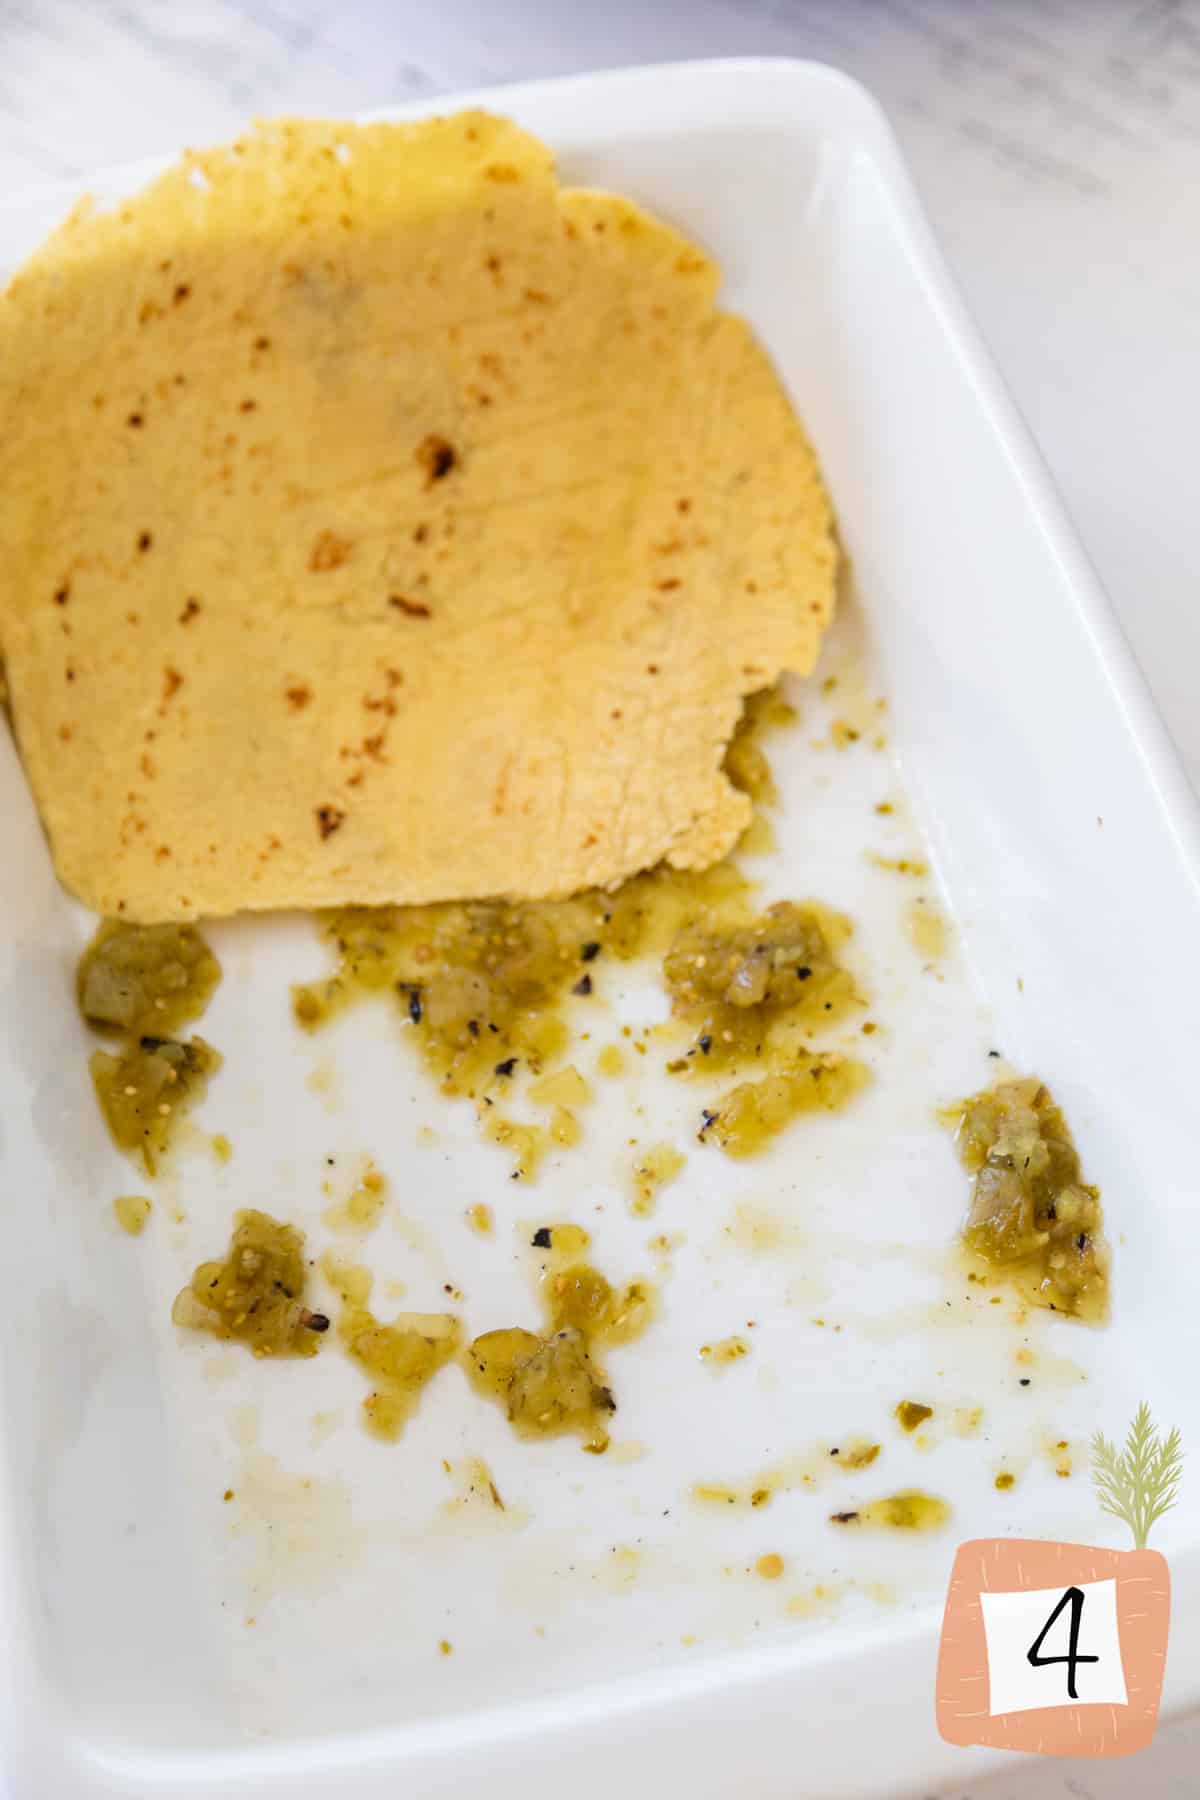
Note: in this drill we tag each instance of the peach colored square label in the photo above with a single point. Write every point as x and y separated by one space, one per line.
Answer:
1086 1628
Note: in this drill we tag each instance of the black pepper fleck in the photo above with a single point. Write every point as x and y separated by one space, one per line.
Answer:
506 1067
583 985
541 1238
587 952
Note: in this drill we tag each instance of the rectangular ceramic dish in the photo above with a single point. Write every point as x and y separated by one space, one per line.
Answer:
608 1632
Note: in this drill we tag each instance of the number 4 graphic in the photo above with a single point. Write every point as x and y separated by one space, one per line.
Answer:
1074 1599
1011 1602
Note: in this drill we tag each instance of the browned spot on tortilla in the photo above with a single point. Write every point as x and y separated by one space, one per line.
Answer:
329 552
437 456
500 796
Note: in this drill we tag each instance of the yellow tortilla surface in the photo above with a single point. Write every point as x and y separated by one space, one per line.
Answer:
383 521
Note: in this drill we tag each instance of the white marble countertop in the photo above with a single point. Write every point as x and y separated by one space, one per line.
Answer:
1057 145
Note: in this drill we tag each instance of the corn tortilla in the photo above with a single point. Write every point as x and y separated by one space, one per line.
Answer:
385 522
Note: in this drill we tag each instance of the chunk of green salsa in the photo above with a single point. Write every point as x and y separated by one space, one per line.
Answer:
145 979
145 1089
142 984
1032 1216
255 1296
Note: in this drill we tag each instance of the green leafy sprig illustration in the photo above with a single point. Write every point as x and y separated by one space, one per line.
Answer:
1140 1483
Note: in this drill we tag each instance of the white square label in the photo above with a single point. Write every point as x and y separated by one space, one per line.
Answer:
1053 1647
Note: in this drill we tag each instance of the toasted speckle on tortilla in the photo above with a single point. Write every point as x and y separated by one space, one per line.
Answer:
385 522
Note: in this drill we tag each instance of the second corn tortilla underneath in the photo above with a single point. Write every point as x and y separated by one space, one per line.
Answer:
385 522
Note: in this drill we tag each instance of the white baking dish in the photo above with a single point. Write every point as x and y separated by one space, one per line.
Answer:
606 1634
